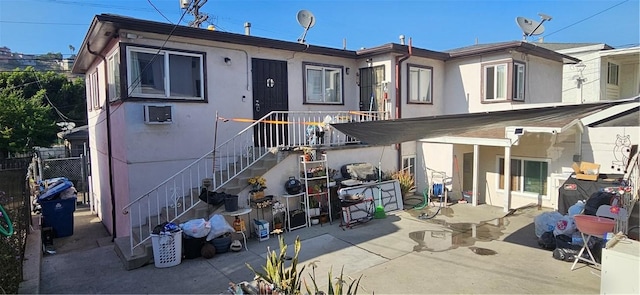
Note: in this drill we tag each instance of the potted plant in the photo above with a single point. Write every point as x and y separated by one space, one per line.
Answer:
314 207
278 210
258 185
277 221
406 180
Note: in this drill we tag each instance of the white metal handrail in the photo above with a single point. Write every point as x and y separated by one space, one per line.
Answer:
178 194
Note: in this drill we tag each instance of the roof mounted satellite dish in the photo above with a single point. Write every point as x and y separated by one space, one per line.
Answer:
306 20
531 27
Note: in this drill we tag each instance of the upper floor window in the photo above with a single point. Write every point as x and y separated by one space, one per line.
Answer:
323 84
518 82
504 81
495 82
113 68
153 73
92 91
420 84
612 75
526 175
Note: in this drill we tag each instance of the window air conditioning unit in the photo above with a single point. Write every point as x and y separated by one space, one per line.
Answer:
154 114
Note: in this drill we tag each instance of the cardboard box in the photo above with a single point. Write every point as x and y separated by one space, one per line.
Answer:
586 170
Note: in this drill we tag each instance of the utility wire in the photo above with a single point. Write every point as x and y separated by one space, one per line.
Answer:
160 12
60 114
584 19
40 23
138 80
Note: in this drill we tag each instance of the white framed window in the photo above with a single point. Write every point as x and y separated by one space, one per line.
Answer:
153 73
612 73
495 82
93 98
420 84
504 81
113 68
518 81
323 84
527 175
409 164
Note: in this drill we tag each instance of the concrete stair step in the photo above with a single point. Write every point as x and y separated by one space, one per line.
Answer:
141 256
192 208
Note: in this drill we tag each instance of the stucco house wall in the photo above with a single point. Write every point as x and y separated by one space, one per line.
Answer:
609 147
467 72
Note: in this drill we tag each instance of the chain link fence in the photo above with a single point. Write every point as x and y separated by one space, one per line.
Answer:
75 169
14 198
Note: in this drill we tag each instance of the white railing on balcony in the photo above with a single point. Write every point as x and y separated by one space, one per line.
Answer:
175 196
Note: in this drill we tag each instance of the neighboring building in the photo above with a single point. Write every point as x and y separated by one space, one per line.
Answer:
77 141
153 101
604 73
5 54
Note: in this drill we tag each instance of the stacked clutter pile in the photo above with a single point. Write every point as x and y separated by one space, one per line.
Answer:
560 233
56 201
206 237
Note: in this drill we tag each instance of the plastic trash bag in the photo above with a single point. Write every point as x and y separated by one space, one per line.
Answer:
565 226
546 222
196 228
219 226
576 208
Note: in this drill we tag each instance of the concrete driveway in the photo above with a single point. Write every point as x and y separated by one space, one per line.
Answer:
464 249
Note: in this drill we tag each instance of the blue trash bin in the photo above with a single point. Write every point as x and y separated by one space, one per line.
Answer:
58 214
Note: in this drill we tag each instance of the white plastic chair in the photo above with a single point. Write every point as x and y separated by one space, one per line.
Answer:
621 218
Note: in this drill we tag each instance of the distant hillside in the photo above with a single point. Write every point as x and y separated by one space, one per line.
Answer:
46 62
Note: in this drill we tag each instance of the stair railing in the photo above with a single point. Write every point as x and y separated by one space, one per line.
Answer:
178 194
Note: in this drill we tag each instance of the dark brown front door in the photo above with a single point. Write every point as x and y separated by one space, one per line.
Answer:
270 94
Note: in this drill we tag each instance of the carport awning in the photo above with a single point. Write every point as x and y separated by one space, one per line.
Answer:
411 129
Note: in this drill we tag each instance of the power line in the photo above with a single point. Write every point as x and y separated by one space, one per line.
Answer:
584 19
138 79
89 4
60 114
40 23
160 12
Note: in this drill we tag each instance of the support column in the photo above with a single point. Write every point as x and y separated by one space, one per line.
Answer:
476 164
507 178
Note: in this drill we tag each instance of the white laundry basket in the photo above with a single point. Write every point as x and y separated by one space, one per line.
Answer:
167 248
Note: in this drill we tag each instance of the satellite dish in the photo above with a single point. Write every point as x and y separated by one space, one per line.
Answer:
544 17
306 20
529 27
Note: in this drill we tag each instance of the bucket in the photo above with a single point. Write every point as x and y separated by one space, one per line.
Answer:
231 203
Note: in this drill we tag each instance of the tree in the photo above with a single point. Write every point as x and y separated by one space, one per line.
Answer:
62 101
24 122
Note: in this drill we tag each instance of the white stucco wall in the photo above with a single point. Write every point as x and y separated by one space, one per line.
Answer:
162 150
590 87
609 147
463 82
557 150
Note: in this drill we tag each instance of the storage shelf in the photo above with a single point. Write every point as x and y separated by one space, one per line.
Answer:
316 178
304 167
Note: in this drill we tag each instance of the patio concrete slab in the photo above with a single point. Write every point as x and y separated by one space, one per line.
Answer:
464 249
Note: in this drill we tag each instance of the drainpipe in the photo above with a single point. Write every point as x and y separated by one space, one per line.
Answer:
109 148
399 60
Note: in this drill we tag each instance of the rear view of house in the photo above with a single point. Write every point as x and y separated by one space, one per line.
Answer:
162 96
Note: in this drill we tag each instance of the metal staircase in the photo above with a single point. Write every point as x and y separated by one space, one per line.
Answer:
251 152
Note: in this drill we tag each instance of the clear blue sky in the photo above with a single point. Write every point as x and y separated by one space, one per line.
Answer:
40 26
